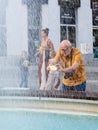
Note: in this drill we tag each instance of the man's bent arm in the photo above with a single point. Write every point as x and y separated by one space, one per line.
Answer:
72 68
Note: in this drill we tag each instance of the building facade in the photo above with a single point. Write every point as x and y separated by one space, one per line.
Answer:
21 22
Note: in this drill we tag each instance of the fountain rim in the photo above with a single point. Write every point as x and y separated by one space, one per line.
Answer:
51 105
49 99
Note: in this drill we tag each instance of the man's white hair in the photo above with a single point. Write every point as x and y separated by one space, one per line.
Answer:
67 42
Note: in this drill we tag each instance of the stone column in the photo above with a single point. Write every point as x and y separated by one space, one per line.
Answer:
84 29
3 44
17 38
34 27
51 19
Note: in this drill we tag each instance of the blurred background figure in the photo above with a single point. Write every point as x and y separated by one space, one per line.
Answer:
44 54
23 65
53 82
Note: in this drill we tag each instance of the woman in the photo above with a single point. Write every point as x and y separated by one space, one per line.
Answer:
44 53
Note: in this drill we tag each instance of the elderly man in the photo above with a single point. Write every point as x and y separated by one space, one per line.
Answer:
72 66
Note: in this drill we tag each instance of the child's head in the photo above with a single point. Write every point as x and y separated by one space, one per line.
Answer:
52 54
24 54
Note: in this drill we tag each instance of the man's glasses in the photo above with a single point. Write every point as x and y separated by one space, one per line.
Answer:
64 49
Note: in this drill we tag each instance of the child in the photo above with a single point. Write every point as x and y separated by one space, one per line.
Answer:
23 64
53 81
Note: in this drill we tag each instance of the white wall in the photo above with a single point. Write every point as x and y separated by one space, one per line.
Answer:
17 38
84 27
51 19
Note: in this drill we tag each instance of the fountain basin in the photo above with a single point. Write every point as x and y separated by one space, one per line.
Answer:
39 120
39 113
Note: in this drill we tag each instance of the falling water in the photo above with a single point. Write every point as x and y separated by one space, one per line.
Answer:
20 29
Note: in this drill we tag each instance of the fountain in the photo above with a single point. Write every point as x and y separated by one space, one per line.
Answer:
31 108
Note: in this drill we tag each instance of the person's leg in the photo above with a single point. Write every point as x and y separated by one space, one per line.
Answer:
26 79
47 71
50 81
39 69
66 88
56 82
39 74
21 79
81 87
